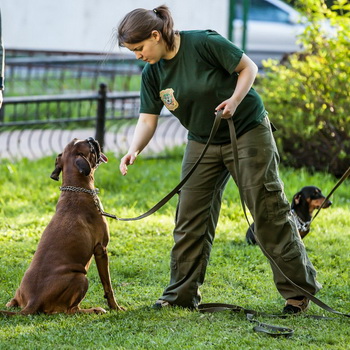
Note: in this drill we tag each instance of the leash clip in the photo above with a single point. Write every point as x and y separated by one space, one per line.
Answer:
110 216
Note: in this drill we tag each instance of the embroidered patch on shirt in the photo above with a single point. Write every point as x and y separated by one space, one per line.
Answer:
168 98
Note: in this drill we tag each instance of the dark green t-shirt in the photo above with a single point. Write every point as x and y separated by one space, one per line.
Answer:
195 81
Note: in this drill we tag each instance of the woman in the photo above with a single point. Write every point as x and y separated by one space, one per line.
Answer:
194 74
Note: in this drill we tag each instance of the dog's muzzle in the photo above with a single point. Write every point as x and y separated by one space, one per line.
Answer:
96 149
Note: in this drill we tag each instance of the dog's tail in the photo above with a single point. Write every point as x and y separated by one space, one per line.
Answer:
29 309
23 312
9 313
250 235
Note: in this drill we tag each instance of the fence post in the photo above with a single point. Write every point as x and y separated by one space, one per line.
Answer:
2 113
101 114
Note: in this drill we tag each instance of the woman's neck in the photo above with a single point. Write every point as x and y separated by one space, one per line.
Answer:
171 54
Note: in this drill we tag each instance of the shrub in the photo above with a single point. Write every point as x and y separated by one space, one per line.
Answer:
307 93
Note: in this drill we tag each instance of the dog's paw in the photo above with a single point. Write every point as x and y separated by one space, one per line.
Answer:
114 306
12 303
98 310
120 308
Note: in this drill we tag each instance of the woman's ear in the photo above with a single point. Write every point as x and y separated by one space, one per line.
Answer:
156 35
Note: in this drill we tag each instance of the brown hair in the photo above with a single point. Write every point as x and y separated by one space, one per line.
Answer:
138 25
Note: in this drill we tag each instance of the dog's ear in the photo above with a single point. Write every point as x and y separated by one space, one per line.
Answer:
58 168
296 199
83 166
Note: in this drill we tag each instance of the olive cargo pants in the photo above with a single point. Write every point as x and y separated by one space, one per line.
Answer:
199 207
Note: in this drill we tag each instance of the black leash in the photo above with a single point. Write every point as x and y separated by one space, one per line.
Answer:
171 194
271 330
341 180
262 327
300 289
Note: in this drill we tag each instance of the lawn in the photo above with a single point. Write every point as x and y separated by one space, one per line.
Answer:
139 262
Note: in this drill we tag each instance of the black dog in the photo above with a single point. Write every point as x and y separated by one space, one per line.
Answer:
303 204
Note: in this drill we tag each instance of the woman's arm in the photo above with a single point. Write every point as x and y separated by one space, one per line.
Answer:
247 71
144 131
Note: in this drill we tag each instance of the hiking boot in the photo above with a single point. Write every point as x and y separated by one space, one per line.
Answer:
295 306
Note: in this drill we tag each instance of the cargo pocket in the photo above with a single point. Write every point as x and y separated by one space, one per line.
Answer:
275 201
291 252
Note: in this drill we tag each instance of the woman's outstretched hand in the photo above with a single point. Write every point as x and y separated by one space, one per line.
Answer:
128 159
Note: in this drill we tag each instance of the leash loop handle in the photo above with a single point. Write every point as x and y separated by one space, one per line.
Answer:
296 286
271 330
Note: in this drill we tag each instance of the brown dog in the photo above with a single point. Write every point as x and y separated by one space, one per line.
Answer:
56 278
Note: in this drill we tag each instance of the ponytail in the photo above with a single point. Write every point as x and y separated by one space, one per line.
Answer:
138 25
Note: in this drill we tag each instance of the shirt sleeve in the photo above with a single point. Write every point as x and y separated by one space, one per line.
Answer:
150 99
222 52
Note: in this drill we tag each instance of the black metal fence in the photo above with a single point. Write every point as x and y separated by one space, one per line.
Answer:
51 97
32 73
36 126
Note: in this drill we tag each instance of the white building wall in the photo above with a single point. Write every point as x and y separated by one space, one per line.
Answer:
87 25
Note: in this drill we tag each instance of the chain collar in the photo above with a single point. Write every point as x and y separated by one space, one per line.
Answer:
302 226
93 193
80 189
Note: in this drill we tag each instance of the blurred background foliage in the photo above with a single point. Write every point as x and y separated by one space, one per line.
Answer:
307 94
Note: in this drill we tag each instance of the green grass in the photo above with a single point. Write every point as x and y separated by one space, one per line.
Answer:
139 262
